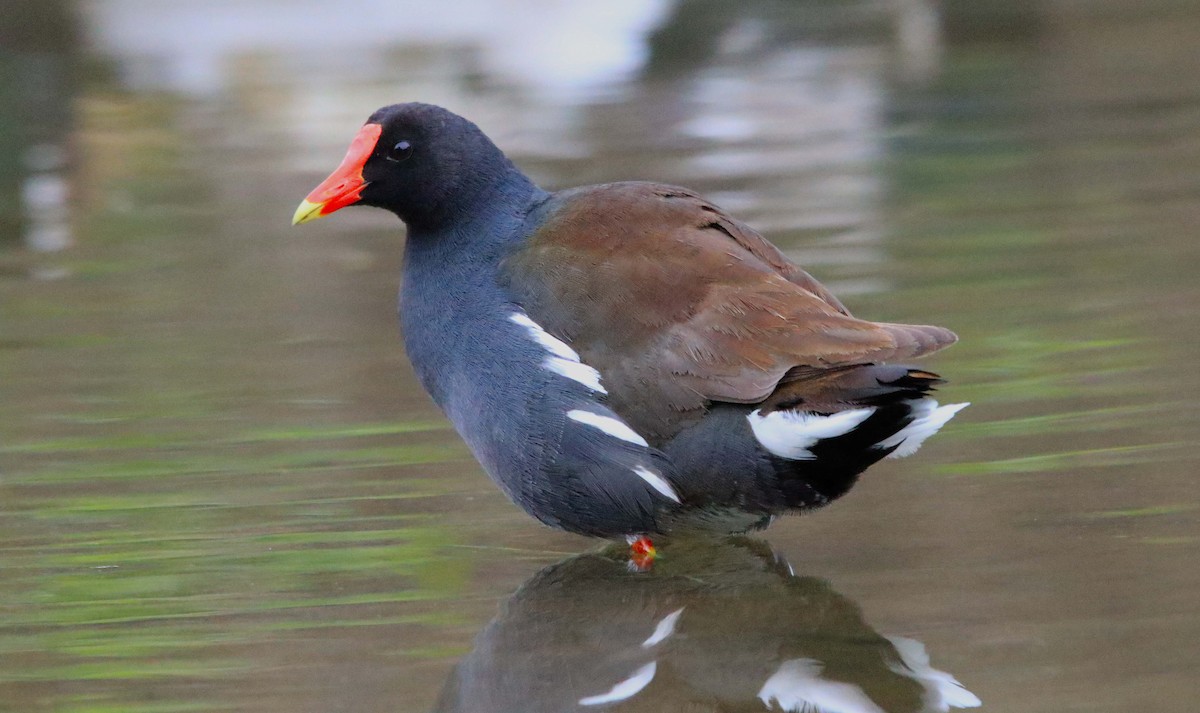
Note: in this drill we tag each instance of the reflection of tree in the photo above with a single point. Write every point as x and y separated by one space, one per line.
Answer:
714 627
698 30
38 45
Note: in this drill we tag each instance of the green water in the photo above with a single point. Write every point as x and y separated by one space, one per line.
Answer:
222 489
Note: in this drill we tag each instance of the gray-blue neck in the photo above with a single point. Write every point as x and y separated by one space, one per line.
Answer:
480 227
451 299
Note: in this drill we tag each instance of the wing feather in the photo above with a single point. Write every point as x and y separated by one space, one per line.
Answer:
678 305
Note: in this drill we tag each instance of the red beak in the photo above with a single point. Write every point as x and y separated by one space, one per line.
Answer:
345 184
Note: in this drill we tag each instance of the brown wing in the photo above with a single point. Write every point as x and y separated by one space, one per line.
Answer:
678 305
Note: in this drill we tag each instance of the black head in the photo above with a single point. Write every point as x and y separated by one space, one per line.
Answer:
420 161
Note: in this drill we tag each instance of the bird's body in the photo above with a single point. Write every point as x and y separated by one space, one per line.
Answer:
627 359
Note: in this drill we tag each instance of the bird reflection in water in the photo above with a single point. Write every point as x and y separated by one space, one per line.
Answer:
725 627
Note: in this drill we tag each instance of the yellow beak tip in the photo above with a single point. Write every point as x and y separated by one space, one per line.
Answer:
307 212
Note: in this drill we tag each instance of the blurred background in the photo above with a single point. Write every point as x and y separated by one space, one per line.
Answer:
221 487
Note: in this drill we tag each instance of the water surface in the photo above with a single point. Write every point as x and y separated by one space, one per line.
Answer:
222 489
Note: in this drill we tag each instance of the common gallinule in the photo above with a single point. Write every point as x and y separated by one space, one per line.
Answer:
627 359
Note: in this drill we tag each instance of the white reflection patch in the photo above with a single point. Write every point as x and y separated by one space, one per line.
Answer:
942 691
665 628
625 689
798 686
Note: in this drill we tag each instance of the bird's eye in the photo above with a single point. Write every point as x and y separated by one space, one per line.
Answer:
401 151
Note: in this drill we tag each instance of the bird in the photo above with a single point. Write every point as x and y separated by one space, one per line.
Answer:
627 360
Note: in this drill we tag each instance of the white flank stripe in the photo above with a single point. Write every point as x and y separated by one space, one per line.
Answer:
790 434
625 689
929 417
553 344
612 426
563 359
657 482
665 628
575 371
